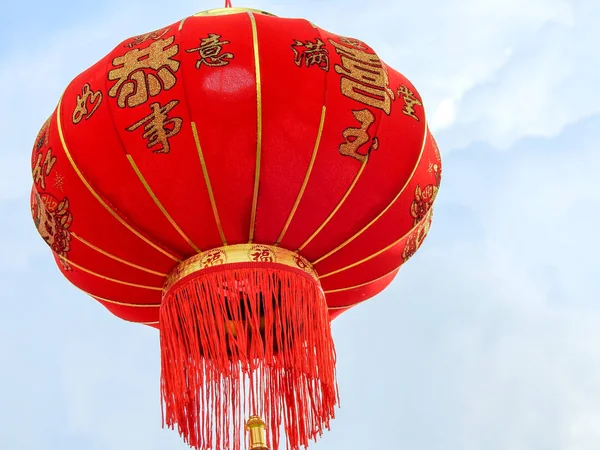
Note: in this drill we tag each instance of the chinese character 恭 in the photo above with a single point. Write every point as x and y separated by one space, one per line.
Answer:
313 53
410 101
210 51
158 127
354 138
364 78
154 35
43 167
133 85
81 103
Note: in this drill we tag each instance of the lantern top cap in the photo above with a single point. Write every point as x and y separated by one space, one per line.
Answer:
228 11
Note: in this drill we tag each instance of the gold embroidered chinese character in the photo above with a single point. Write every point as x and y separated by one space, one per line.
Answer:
353 42
261 253
364 78
313 54
42 137
355 138
416 238
436 170
410 101
134 85
213 258
154 35
158 127
42 168
210 51
81 103
53 219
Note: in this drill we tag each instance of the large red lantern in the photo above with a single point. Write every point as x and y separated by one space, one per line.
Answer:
237 180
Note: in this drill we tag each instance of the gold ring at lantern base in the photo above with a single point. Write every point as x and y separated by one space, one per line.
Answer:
254 254
228 11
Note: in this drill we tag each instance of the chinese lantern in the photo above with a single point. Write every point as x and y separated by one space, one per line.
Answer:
237 180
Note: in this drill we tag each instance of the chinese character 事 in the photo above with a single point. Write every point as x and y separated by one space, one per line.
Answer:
159 127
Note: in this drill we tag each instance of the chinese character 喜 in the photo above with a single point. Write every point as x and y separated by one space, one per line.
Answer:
210 51
364 78
134 85
81 107
158 127
354 138
313 53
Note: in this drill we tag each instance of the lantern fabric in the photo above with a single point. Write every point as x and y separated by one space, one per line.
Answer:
236 137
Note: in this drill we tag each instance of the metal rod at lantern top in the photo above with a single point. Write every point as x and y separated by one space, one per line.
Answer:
258 433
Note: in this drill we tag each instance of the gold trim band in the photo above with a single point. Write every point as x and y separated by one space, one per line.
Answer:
158 204
211 194
116 258
89 187
385 210
306 177
258 126
425 221
104 277
336 209
367 283
241 253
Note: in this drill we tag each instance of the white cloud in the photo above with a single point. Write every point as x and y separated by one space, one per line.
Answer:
543 86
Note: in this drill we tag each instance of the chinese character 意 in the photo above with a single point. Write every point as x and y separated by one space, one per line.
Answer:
134 85
364 78
210 51
42 168
158 127
410 101
81 103
313 54
354 138
154 35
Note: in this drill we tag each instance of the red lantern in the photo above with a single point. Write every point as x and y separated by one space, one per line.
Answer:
237 180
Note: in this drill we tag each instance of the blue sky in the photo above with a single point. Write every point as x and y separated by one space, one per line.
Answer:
488 338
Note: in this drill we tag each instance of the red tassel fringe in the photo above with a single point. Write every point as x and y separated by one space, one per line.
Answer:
266 350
